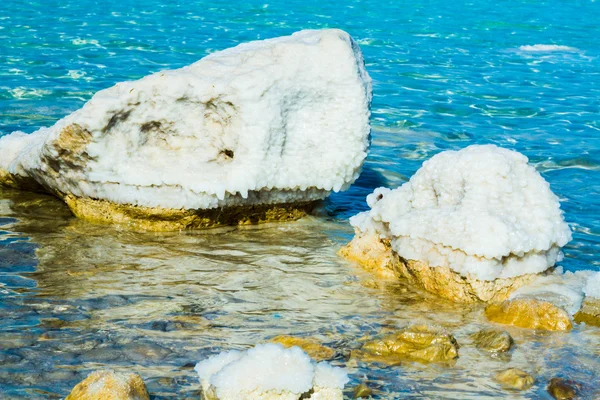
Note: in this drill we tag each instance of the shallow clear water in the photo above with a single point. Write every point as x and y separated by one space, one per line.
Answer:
77 297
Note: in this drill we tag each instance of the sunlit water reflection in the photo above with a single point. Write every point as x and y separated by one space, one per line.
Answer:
78 297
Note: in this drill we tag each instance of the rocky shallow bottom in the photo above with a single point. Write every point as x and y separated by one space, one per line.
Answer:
78 297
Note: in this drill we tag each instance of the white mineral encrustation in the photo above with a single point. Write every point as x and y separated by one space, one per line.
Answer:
278 121
269 372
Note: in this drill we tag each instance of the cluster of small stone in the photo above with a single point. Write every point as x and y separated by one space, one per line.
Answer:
418 343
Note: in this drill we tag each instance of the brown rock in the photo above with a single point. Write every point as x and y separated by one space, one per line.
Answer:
372 253
493 340
376 255
19 182
103 385
311 347
589 312
514 378
420 343
562 389
362 391
166 219
529 313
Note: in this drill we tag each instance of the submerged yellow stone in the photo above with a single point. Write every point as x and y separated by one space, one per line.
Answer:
420 343
589 312
104 385
313 348
514 378
529 313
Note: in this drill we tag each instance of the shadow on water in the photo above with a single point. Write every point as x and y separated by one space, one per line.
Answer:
342 206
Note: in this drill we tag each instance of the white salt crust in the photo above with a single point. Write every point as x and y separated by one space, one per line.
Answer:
272 121
483 211
270 371
592 286
563 289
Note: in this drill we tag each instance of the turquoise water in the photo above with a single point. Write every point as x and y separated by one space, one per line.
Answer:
446 74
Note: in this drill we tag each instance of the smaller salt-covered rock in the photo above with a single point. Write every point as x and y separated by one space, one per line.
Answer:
470 225
514 378
493 340
312 347
103 385
529 313
419 343
269 372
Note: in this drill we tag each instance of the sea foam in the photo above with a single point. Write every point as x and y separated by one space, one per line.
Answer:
546 48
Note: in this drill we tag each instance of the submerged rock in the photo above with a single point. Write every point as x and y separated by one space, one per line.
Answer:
470 225
269 372
514 378
562 389
362 390
102 385
250 134
314 349
420 343
493 340
529 313
589 312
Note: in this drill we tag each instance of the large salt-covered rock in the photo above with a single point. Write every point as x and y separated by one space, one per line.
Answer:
470 225
269 372
274 122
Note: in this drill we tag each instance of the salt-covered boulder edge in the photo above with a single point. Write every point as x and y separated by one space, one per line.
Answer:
269 372
274 122
470 225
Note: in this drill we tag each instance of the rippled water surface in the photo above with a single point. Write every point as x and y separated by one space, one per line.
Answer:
76 297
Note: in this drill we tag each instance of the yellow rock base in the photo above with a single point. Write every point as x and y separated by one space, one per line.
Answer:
589 312
314 349
377 255
19 182
529 313
103 385
164 219
420 343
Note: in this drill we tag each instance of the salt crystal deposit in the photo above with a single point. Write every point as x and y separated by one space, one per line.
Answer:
269 372
563 289
272 122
